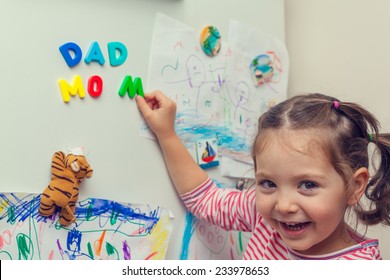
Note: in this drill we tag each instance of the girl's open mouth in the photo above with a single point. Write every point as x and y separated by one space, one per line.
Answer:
294 229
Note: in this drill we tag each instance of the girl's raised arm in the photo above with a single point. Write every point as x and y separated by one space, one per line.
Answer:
159 113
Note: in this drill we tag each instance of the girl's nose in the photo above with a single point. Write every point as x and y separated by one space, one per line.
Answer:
286 204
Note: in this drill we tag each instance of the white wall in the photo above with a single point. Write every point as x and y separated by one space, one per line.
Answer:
341 48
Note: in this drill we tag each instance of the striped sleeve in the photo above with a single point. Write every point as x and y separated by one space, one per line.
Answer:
228 208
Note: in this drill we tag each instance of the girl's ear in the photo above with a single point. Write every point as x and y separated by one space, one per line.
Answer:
360 179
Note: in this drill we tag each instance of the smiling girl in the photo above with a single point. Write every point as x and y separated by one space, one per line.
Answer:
311 165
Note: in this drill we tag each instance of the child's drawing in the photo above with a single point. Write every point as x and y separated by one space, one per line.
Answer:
203 241
219 97
205 154
103 229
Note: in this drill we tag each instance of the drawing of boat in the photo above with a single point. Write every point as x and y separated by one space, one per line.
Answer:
208 154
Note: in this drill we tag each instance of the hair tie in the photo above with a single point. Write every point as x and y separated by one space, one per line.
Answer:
370 137
336 104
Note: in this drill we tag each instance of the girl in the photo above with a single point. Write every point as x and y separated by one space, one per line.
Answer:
311 165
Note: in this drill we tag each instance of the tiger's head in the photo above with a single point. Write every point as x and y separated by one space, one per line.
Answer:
79 165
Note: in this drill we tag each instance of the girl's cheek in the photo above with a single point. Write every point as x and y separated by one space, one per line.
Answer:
262 205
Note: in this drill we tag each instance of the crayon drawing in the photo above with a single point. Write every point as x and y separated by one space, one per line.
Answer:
103 230
219 97
203 241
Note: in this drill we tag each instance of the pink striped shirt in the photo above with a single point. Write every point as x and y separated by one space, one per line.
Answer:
232 209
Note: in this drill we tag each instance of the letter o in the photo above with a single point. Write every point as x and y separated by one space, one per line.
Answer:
95 86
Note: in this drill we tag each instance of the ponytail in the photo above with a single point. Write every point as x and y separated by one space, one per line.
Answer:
378 188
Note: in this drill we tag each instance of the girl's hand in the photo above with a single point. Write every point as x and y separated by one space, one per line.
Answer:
159 113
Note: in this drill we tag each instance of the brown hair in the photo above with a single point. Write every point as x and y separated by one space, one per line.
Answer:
349 130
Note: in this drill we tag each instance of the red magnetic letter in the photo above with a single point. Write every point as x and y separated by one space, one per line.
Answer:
95 86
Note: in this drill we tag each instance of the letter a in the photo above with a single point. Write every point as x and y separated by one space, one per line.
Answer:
132 88
67 90
94 54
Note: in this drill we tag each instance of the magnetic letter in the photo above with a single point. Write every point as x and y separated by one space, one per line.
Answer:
132 88
113 49
65 50
67 90
95 86
94 54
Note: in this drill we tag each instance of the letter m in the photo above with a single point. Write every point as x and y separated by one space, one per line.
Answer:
131 87
67 90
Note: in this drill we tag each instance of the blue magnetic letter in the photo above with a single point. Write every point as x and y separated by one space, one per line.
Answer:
94 54
65 50
113 47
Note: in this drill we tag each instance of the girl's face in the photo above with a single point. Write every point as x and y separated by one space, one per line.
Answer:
301 195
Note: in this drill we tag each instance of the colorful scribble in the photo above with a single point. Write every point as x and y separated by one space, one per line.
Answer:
205 241
103 229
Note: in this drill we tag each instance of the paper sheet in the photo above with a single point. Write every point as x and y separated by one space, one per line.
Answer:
103 230
217 97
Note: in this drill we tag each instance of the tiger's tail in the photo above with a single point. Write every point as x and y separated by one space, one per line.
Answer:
67 216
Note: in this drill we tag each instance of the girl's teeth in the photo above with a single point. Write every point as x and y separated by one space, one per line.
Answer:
295 226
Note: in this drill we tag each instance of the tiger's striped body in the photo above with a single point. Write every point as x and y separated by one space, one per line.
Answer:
63 190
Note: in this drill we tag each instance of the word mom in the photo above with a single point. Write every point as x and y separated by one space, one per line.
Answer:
117 54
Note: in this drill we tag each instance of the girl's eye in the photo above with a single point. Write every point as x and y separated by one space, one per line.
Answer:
307 186
267 184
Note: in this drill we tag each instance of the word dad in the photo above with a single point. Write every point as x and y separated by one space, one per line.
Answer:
117 54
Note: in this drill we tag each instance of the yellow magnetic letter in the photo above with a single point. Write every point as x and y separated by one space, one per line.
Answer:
67 90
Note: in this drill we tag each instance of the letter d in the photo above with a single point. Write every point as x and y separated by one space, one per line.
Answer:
65 50
113 47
